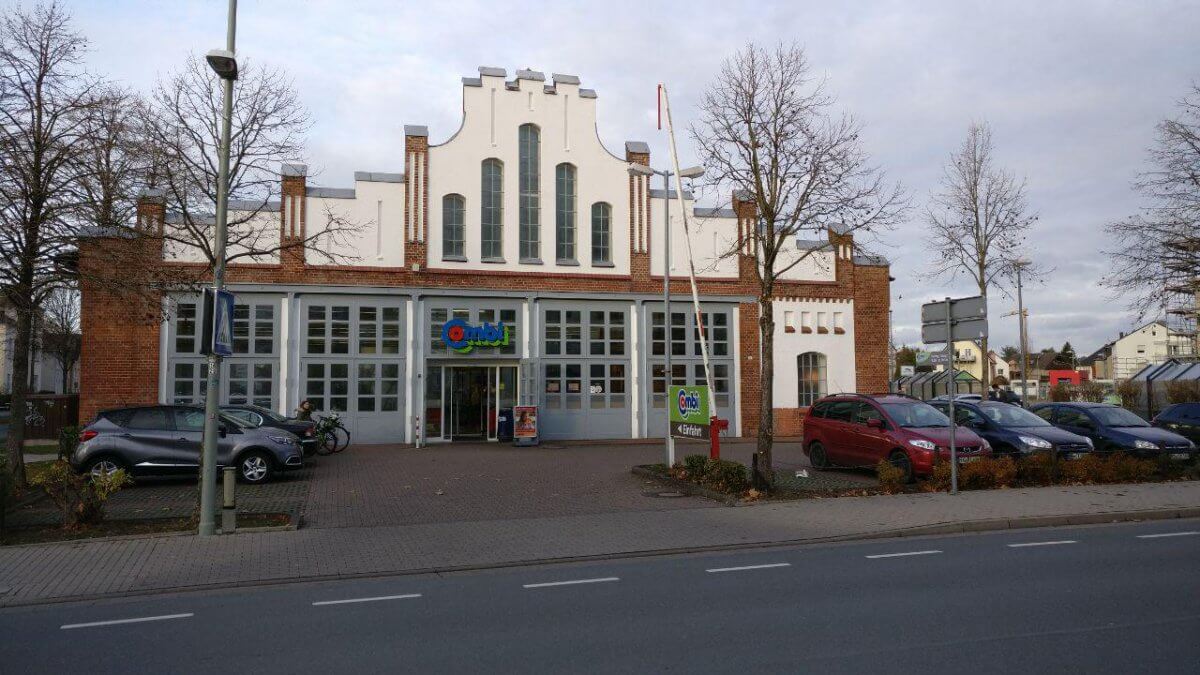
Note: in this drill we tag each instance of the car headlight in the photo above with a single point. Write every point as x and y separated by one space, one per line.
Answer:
1145 445
1035 442
282 440
923 444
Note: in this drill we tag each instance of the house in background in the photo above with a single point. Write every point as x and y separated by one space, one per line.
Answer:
45 373
1130 352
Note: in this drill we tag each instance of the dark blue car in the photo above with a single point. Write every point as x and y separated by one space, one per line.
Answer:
1014 431
1115 429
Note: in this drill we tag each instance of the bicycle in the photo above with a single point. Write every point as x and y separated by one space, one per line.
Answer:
332 436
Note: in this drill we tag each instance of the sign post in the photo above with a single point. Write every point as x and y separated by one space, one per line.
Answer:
689 412
948 321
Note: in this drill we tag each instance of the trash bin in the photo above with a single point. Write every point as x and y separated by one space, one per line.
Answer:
504 425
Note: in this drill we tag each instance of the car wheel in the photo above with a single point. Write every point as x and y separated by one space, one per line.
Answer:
103 466
900 460
817 456
255 467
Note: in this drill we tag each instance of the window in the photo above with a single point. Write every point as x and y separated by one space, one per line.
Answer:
563 332
601 233
679 321
839 324
720 382
810 377
528 213
1046 413
789 322
806 322
328 329
658 384
716 327
563 386
606 385
821 326
254 329
841 411
327 386
251 383
606 333
864 412
189 381
378 330
185 328
564 212
150 418
491 210
452 226
187 419
378 387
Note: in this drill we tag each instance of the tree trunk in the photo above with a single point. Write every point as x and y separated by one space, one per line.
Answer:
766 410
20 388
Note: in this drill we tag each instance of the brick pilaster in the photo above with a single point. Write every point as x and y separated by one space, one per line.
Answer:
416 198
293 219
637 152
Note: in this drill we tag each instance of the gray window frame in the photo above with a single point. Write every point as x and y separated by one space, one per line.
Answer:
454 209
529 192
491 210
602 233
806 393
566 197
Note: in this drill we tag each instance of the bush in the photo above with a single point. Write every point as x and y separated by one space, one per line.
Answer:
80 498
1060 392
695 466
1131 394
891 478
1038 468
1183 391
939 481
987 473
68 440
1090 391
1115 468
727 476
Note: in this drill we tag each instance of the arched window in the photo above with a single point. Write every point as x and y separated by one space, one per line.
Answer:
601 233
491 205
528 213
564 212
452 226
810 375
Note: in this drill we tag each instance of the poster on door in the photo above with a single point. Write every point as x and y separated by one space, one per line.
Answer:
525 425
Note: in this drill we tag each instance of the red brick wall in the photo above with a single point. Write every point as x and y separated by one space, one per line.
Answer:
872 304
790 421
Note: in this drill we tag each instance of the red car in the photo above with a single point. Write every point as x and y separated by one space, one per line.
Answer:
858 430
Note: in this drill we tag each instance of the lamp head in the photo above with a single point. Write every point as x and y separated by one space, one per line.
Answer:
223 63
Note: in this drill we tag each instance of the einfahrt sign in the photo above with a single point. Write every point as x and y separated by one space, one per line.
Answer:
690 411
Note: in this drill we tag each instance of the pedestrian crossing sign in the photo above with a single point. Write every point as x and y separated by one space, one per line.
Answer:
218 322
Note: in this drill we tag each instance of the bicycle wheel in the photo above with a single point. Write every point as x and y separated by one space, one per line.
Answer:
326 443
342 438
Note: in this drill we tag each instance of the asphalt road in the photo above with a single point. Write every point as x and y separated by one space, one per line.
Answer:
1106 599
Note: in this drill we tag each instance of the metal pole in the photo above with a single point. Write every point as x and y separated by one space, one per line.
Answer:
667 312
951 389
1022 340
208 455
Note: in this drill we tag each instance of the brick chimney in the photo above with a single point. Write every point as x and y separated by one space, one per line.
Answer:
293 217
638 152
746 210
416 197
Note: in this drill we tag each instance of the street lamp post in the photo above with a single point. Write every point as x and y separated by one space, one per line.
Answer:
693 172
1023 338
224 64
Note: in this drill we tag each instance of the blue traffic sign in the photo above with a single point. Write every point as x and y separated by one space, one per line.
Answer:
218 322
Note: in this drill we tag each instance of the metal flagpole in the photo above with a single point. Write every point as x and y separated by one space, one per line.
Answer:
687 235
951 390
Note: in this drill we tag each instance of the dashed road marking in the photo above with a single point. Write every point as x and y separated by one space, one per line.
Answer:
747 567
115 622
1168 534
406 596
901 555
548 584
1043 543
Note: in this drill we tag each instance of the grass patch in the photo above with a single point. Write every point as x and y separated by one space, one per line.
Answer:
121 528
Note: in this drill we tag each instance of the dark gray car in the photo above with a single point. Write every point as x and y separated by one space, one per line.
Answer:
165 440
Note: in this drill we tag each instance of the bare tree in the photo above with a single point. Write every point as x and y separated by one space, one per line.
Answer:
768 130
978 220
181 136
44 100
60 338
1156 261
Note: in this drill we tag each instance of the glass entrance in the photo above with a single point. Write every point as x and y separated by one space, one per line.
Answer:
462 402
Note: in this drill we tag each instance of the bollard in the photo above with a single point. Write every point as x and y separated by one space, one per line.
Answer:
229 505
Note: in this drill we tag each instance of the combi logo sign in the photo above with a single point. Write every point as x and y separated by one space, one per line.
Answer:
689 412
462 337
688 403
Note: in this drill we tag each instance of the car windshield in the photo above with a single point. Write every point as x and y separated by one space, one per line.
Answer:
1118 417
233 421
916 415
1007 415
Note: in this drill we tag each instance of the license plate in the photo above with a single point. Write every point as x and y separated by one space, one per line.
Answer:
1074 455
1179 455
964 460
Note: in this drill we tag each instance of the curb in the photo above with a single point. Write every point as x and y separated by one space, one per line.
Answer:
918 531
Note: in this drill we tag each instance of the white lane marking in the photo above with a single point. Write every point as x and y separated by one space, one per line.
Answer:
900 555
1168 534
115 622
1043 543
547 584
747 567
374 599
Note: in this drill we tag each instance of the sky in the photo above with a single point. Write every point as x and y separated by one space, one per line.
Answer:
1072 92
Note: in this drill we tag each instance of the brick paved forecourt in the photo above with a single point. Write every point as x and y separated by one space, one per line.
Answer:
79 570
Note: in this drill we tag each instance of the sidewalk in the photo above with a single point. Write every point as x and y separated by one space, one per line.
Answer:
78 570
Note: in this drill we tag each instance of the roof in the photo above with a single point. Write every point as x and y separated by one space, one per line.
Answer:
378 177
637 146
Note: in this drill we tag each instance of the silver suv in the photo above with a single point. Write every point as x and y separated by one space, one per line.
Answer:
165 440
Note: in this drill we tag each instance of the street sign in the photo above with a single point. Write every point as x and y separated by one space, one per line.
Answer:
905 371
938 358
689 411
967 320
218 323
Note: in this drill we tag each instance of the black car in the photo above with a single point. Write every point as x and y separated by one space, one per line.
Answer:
1014 431
255 416
1115 429
1182 419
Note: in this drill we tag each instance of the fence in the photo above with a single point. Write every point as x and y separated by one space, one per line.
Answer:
47 414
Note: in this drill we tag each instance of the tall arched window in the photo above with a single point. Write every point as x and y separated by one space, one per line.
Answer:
528 215
810 375
452 226
601 233
564 212
491 205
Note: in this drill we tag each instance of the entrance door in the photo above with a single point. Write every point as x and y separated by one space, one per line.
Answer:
470 397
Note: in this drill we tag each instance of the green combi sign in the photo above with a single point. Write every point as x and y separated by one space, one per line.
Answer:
689 411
